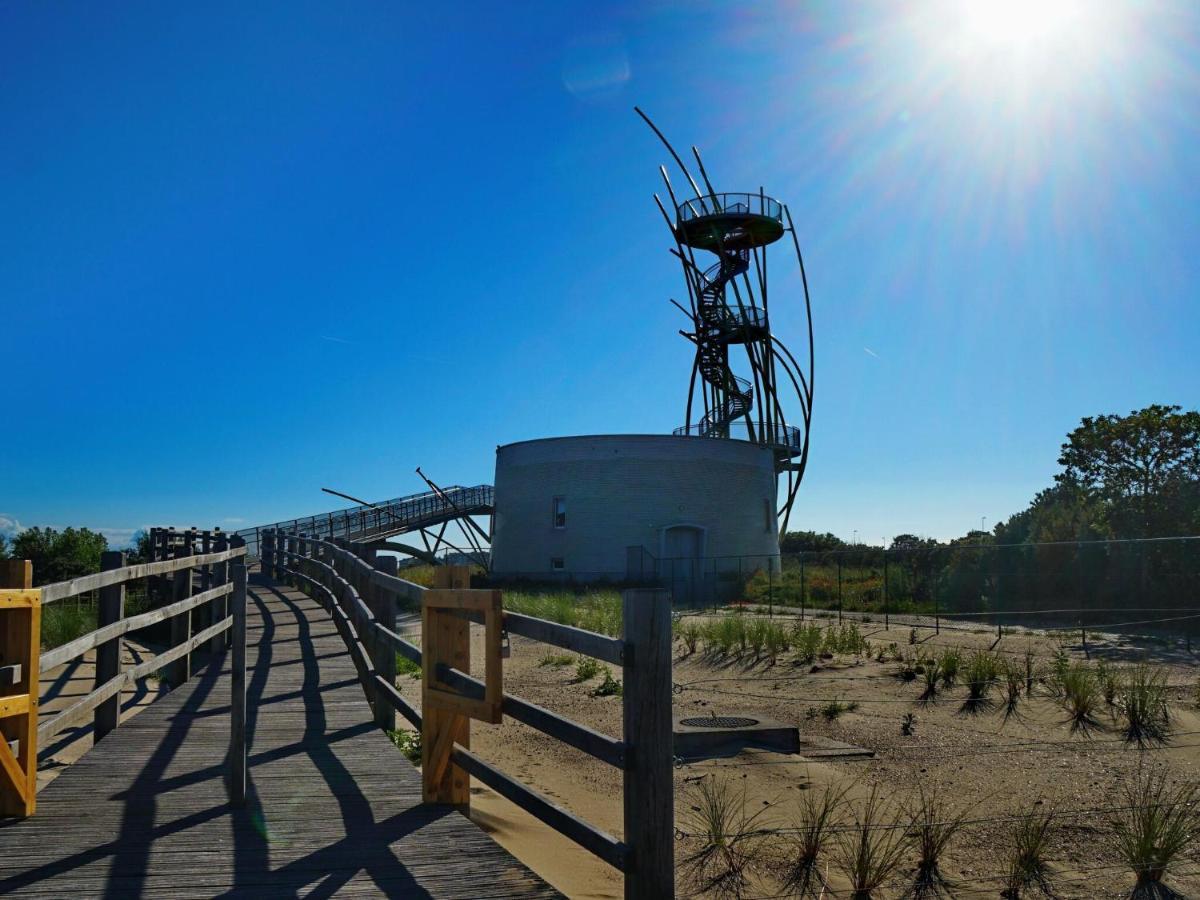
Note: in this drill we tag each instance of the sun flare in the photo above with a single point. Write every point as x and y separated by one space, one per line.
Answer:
1017 23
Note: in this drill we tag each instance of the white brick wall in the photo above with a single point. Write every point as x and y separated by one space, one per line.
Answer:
623 490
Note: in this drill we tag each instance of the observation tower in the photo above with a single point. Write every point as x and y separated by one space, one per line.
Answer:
729 313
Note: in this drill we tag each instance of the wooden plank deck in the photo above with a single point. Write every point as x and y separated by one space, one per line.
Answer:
334 808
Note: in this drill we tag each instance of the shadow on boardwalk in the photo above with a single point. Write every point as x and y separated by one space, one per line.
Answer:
333 807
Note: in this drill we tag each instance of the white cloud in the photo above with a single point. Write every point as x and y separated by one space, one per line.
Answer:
9 526
871 352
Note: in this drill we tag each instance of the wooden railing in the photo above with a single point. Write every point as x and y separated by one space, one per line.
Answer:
219 607
363 593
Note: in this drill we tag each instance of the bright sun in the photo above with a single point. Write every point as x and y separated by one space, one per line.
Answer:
1018 23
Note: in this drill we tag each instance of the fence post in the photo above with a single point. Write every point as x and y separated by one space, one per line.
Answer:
802 597
180 671
20 645
649 774
887 623
220 606
110 609
237 684
288 561
442 728
839 559
384 657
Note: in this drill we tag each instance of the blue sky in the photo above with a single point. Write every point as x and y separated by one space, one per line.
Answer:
253 250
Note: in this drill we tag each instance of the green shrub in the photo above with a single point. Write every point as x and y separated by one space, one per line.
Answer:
598 611
556 660
586 669
67 620
405 666
834 708
608 686
409 743
807 641
949 663
689 633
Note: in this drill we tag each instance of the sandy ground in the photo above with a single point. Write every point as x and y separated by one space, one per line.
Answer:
987 765
62 686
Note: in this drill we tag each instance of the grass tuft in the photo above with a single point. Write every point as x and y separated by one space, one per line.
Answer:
608 686
980 673
556 660
869 852
1081 696
1027 866
1158 824
933 825
1142 699
728 842
817 810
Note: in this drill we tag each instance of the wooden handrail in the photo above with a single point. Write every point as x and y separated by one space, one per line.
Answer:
81 645
61 590
644 652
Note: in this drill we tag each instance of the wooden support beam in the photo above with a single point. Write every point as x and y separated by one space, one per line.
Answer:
110 610
384 657
649 773
237 704
20 647
180 671
444 639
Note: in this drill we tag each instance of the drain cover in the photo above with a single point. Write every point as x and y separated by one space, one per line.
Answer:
718 722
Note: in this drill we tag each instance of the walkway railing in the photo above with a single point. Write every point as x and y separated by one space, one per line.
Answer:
362 593
385 518
220 605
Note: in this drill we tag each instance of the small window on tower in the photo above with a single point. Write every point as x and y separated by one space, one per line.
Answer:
560 512
556 563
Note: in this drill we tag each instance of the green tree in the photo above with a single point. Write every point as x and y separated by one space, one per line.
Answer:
1144 467
60 555
810 542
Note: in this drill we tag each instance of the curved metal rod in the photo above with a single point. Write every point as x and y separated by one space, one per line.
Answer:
703 174
806 394
675 155
807 304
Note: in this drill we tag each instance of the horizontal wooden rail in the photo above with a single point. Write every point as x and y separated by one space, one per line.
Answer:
79 646
568 637
77 712
61 590
594 743
589 643
352 588
588 836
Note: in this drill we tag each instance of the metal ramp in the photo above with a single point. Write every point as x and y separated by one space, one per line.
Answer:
379 521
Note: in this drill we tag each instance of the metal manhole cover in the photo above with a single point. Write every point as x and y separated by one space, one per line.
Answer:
718 722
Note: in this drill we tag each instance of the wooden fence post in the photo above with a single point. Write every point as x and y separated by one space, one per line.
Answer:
220 606
20 646
237 685
108 655
649 773
442 728
383 656
288 562
179 671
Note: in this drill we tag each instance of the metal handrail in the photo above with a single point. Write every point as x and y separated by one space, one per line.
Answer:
787 436
729 204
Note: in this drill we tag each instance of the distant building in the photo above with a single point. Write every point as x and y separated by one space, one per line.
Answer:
684 509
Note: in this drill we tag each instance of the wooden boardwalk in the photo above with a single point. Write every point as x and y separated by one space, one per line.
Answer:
334 808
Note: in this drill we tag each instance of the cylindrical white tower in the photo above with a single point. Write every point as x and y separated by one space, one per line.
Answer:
690 510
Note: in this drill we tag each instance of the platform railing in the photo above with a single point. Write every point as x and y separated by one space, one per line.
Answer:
362 593
220 606
726 203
